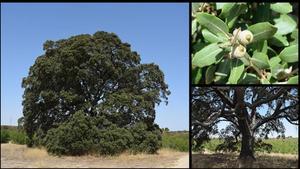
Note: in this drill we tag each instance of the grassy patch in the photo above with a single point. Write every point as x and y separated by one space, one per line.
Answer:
4 136
212 144
285 146
176 141
14 135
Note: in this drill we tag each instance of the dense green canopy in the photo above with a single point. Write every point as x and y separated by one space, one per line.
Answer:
97 75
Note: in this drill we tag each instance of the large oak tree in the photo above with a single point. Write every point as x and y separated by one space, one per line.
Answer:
96 74
251 112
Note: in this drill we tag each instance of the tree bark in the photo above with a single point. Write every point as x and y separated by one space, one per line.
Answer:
246 157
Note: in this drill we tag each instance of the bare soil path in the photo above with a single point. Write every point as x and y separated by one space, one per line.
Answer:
182 162
16 156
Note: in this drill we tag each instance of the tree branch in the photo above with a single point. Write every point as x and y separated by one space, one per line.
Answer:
210 120
230 116
274 116
291 121
272 97
226 99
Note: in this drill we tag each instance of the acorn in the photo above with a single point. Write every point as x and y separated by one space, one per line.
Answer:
239 51
245 37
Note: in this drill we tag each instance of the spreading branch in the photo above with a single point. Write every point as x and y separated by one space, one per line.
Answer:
268 99
224 98
277 114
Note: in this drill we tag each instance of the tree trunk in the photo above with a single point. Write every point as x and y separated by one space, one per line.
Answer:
246 157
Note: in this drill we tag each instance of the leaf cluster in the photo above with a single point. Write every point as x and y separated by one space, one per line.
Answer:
272 56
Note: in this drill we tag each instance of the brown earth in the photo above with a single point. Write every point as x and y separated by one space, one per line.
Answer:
222 160
15 156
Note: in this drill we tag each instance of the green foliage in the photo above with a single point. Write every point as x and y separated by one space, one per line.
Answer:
282 7
72 137
213 24
18 137
38 138
4 136
207 56
176 141
82 134
145 139
165 129
285 146
237 68
213 144
289 54
219 28
262 31
21 123
86 92
112 141
14 135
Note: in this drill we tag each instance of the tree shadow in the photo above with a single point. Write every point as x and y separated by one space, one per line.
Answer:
230 161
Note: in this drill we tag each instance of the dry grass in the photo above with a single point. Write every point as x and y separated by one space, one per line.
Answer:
13 155
35 153
223 160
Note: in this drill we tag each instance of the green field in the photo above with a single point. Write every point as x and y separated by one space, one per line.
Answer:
176 140
9 133
285 146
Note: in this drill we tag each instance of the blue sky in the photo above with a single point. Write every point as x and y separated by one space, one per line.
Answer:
158 32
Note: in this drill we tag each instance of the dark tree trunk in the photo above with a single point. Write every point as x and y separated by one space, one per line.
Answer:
246 157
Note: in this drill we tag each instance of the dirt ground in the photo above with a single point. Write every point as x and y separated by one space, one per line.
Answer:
182 162
230 161
15 156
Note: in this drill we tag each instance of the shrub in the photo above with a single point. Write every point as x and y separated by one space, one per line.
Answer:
112 140
73 137
4 136
244 43
145 139
18 136
176 141
13 135
82 134
38 138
